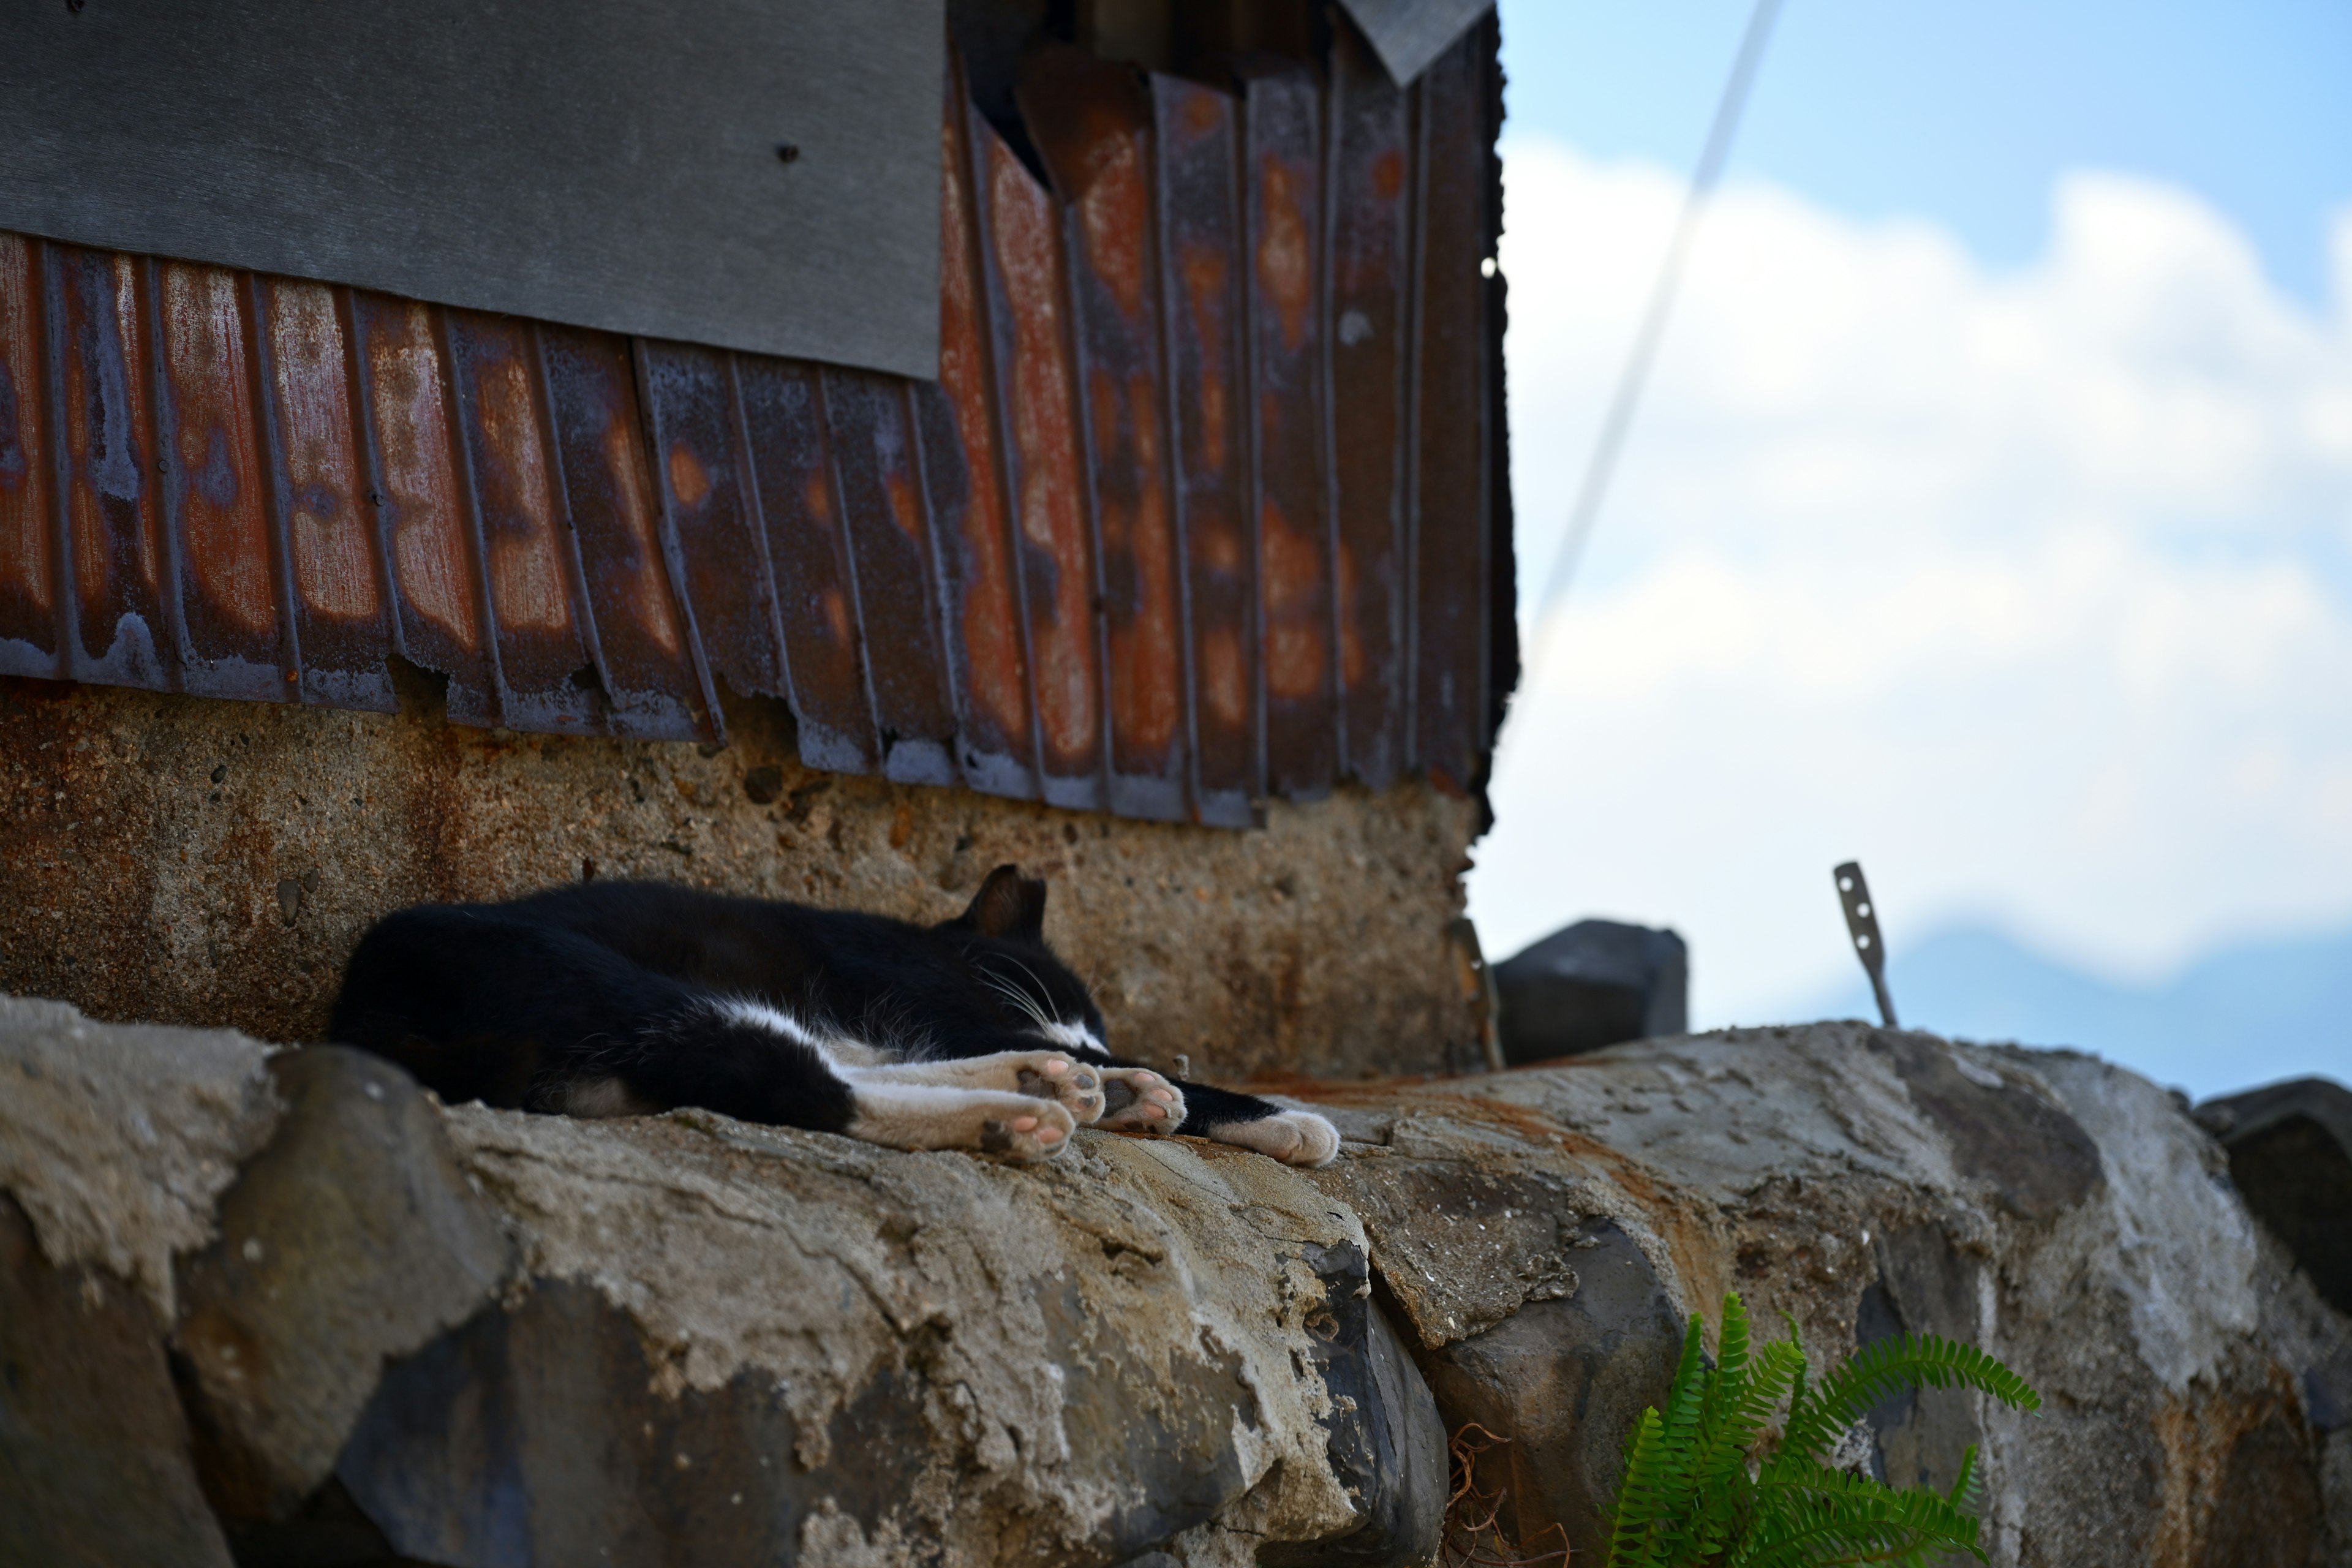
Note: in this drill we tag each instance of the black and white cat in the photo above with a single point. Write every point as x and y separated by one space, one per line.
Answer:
629 998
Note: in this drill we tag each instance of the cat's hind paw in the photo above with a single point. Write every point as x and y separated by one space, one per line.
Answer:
1293 1137
1028 1136
1137 1100
1014 1127
1075 1084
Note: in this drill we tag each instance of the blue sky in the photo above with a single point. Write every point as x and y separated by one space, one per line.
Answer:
1964 113
1989 518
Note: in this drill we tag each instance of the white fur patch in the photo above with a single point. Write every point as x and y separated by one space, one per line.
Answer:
837 1052
1293 1137
937 1116
1072 1037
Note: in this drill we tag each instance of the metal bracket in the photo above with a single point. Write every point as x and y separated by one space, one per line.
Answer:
1861 924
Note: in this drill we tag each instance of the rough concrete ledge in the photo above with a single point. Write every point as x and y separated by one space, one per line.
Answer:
286 1308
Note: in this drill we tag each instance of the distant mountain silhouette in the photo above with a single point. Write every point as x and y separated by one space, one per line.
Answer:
2245 1015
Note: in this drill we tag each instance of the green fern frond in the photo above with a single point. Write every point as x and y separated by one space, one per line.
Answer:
1688 1501
1633 1529
1966 1491
1884 1368
1828 1516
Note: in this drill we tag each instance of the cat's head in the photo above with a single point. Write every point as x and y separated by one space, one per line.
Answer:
1001 937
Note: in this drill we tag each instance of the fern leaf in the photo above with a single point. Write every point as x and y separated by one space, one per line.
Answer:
1678 1452
1884 1368
1796 1338
1633 1529
1834 1517
1965 1489
1723 1479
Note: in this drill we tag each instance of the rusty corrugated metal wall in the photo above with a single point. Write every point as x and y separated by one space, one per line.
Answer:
1208 502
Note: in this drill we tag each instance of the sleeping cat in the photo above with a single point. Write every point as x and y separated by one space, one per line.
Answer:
629 998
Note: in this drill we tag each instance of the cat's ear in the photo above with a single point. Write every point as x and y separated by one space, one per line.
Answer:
1007 905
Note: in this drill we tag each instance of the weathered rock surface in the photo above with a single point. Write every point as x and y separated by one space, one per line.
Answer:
385 1329
2065 1215
475 1337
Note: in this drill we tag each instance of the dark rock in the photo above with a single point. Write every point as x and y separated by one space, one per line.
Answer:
762 784
2039 1160
532 1434
1565 1381
2290 1147
1386 1446
353 1238
327 1532
1924 1286
94 1464
1595 984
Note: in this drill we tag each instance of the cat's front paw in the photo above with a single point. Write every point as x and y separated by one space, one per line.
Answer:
1293 1137
1049 1075
1137 1100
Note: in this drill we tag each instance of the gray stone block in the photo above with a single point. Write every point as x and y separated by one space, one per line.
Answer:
1595 983
2290 1147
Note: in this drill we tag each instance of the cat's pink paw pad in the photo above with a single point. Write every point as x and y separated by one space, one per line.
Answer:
1137 1100
1028 1135
1072 1084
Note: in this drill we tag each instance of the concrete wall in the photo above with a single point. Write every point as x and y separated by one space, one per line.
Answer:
206 862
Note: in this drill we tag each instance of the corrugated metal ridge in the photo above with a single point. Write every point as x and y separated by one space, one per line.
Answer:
1198 512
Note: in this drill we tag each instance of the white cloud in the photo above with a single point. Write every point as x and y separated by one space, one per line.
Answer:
2033 589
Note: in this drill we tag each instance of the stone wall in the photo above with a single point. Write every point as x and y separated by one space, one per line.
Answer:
286 1308
212 863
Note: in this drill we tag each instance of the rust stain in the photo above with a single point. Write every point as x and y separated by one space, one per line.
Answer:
1044 431
792 462
1285 259
1147 670
1224 676
648 591
689 482
27 580
1388 174
225 529
1116 209
1293 575
1205 283
996 678
334 557
23 488
411 415
884 537
904 506
112 521
733 586
1354 663
518 511
1220 547
606 478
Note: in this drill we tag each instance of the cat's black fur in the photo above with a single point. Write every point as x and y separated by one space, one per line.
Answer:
606 998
